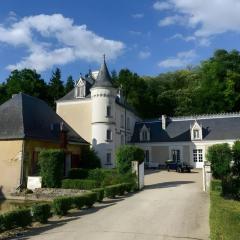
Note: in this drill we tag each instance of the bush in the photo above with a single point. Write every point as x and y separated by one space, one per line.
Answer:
125 155
90 159
41 212
100 193
113 190
61 205
216 185
51 167
90 199
100 174
220 156
236 159
231 187
78 173
79 201
15 218
83 184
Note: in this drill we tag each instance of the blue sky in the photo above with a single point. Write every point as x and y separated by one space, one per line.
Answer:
148 36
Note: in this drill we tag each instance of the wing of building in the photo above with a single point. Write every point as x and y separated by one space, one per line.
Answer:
96 110
184 138
27 125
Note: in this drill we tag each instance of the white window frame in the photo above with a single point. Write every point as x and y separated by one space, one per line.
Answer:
108 111
144 134
197 155
194 129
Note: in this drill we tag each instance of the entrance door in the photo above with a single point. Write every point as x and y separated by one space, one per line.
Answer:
198 158
176 155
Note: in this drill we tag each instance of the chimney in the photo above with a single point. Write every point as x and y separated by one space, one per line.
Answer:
164 122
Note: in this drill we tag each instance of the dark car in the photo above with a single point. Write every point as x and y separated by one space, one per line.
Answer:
178 166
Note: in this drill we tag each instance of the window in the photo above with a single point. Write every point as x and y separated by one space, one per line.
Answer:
80 91
197 155
196 134
144 135
176 155
109 135
122 139
128 123
108 111
122 121
146 157
109 159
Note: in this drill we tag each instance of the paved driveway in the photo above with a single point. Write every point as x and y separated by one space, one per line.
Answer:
172 206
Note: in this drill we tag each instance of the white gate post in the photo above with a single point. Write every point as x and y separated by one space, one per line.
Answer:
139 170
207 176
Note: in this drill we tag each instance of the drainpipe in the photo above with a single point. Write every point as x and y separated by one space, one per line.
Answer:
22 165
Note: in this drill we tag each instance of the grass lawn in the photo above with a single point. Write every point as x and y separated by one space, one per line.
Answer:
224 218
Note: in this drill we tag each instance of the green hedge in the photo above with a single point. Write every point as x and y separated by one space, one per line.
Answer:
51 163
15 218
78 173
216 185
100 193
118 189
79 184
41 212
61 205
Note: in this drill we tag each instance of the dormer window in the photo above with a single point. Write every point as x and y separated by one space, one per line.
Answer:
144 134
80 91
196 134
196 131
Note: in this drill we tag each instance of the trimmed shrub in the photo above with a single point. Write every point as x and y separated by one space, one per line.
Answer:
41 212
236 159
51 163
61 205
90 159
79 201
231 187
15 218
100 174
111 191
83 184
125 155
100 193
90 199
220 156
78 173
216 185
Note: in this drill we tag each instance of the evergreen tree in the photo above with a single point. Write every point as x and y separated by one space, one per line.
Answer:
55 87
69 85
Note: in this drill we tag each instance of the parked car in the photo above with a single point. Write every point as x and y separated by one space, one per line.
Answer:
178 166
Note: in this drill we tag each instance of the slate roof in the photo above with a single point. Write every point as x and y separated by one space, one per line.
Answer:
103 79
177 130
26 117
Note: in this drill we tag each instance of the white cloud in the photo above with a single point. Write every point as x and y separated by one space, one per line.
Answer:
162 5
135 32
144 54
181 60
73 42
138 15
176 19
209 17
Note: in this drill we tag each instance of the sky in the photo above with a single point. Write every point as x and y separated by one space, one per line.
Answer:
148 37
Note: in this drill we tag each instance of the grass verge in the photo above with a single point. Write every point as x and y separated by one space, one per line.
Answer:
224 218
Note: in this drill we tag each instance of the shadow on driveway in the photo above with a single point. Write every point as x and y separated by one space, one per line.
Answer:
167 184
71 216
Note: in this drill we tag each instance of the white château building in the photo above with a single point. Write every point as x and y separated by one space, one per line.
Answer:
96 111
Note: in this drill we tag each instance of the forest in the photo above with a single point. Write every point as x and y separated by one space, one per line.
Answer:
211 87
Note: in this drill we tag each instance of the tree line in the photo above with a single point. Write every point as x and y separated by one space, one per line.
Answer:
30 82
211 87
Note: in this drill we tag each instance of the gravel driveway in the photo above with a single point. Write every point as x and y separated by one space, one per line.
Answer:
172 206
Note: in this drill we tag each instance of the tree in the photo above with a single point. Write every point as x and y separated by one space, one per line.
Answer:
220 156
90 159
27 81
69 85
56 88
125 155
